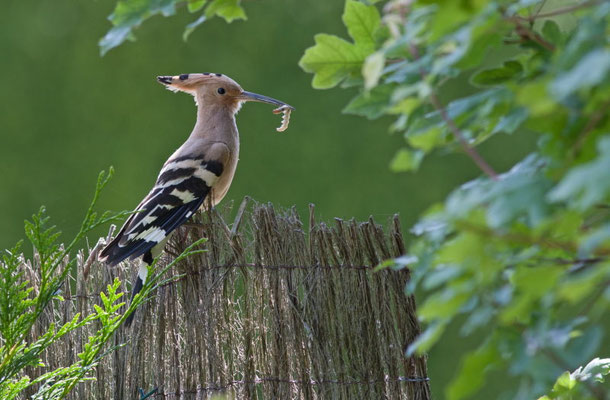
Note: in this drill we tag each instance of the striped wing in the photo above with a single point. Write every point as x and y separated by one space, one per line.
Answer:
180 190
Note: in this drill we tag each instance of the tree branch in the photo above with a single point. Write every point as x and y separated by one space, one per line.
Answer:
527 33
559 11
517 238
472 153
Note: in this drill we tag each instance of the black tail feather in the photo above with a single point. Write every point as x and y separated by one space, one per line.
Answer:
136 289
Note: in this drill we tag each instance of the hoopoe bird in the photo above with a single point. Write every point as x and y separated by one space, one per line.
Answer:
202 167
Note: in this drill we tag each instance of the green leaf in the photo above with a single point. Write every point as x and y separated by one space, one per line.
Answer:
584 40
518 310
195 5
535 97
478 49
333 59
595 370
371 104
406 160
595 239
481 100
451 52
578 287
587 184
551 32
407 72
372 69
511 121
452 14
405 107
441 275
129 14
471 375
426 339
230 10
593 69
443 304
536 281
428 139
522 5
361 21
568 384
564 383
426 132
489 77
519 192
191 27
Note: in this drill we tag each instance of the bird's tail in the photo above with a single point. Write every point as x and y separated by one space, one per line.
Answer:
137 286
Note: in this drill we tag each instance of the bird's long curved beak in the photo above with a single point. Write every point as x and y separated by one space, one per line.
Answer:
249 96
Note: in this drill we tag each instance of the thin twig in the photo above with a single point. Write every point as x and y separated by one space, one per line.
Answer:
574 261
539 9
527 33
94 254
596 117
517 238
527 240
474 155
559 11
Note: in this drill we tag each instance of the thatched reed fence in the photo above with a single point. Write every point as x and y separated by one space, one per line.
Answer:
275 309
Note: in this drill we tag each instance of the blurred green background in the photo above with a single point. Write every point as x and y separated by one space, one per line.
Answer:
68 113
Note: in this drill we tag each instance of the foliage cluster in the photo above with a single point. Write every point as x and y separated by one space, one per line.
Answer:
129 14
23 302
521 257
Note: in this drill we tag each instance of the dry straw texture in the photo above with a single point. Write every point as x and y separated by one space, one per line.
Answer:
273 310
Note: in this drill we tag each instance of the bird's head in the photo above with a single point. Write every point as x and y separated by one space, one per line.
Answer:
215 89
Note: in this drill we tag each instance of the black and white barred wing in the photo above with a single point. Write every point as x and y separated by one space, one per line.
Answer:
180 190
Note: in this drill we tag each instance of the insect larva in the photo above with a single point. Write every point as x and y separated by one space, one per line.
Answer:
285 110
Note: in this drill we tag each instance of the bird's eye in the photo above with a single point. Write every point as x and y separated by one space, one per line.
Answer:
221 90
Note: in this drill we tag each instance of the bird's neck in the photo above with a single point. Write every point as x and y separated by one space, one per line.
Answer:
214 122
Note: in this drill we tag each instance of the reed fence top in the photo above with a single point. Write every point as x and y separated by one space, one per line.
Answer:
274 309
